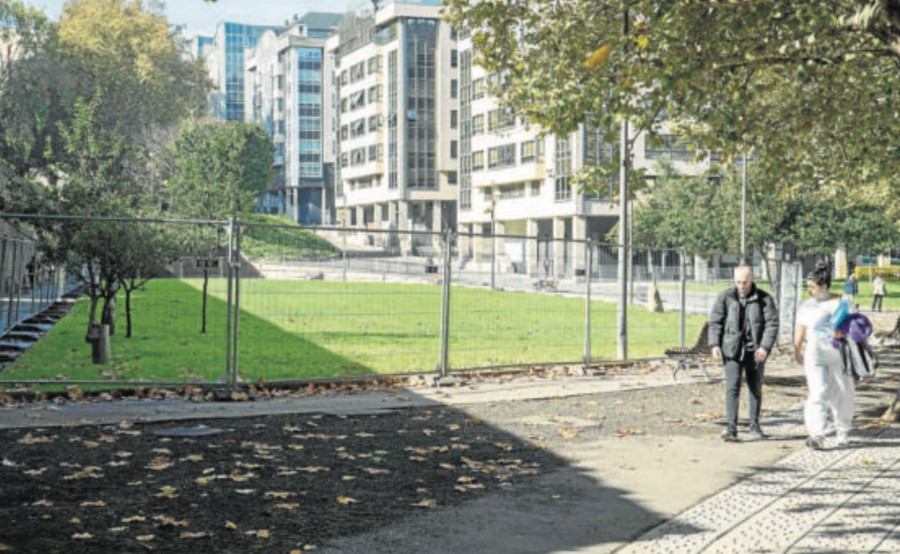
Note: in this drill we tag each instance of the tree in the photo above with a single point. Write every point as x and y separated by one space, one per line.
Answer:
94 87
737 76
218 172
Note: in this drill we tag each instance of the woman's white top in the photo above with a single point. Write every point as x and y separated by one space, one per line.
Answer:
815 315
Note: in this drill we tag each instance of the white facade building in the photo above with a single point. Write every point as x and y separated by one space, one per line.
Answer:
396 112
287 89
512 181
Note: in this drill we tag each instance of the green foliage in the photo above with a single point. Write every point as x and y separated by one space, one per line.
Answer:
219 170
812 86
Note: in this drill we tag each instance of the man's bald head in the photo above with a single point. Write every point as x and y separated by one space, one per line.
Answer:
743 279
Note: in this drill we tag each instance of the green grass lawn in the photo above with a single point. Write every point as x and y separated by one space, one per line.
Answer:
307 329
864 298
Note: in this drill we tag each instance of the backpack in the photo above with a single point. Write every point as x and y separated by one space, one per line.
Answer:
858 360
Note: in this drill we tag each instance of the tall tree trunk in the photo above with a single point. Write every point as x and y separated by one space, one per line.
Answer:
92 316
108 317
205 288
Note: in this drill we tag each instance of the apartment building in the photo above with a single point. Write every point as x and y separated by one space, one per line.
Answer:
396 111
286 84
225 65
513 181
200 46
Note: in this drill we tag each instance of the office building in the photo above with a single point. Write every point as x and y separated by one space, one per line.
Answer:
287 81
225 64
396 111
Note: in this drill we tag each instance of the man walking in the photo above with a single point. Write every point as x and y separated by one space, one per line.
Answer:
743 325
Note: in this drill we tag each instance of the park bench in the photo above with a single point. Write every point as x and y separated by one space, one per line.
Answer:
547 283
683 358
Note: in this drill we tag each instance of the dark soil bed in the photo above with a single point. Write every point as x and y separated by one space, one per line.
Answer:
272 484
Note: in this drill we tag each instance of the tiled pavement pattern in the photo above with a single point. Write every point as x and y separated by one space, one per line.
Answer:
844 500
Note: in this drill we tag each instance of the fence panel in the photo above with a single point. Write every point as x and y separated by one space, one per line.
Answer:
339 302
156 318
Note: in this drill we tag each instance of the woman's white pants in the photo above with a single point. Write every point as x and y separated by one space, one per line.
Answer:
829 389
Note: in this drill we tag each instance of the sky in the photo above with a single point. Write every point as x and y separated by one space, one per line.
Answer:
201 18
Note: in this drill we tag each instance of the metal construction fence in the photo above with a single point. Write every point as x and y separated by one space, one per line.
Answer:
27 285
230 301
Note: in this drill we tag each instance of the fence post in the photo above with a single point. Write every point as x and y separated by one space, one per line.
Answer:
13 288
588 275
228 295
445 307
798 291
683 279
2 270
344 250
237 300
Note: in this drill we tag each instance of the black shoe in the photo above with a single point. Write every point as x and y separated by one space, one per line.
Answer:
757 434
815 443
730 436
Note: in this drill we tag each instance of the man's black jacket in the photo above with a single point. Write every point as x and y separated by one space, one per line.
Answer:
725 327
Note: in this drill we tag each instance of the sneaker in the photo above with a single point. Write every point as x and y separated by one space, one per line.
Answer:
757 434
815 443
730 436
843 439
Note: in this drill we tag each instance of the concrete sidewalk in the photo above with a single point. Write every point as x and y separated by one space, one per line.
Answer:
837 500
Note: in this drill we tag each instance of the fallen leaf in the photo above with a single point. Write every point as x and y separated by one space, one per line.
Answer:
118 529
167 521
167 492
144 538
280 495
82 536
245 491
288 505
133 519
453 427
262 533
75 520
426 503
346 500
43 502
230 525
93 503
194 535
568 432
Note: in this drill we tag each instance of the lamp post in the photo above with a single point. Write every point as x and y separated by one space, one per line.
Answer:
622 304
492 210
744 208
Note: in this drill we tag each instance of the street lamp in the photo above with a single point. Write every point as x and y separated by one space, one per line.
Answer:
492 210
744 209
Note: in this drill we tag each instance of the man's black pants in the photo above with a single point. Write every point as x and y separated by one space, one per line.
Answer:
734 370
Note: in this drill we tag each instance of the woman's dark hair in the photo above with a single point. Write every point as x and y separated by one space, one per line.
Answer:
821 274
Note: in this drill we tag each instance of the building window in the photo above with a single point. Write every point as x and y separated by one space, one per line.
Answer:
563 190
478 160
454 119
502 156
454 58
374 123
511 191
500 119
477 89
451 177
670 147
478 124
374 65
454 150
535 188
454 88
528 151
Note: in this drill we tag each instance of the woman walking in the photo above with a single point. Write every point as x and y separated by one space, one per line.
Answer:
879 290
829 387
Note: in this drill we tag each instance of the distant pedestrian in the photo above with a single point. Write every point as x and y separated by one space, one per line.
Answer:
743 325
851 289
879 291
546 267
829 387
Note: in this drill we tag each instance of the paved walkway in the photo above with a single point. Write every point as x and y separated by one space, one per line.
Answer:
837 500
